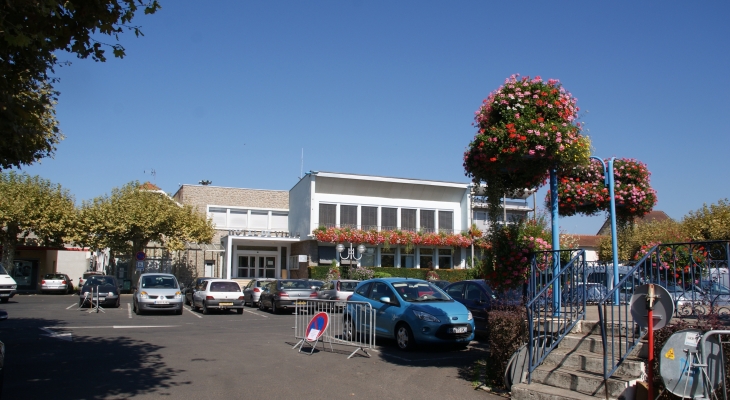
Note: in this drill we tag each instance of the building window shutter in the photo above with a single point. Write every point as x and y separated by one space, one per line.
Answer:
369 217
327 215
348 216
446 221
389 218
427 220
408 219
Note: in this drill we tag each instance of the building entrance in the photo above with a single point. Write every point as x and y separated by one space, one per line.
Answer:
250 266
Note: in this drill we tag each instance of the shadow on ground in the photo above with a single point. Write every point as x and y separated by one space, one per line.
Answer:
82 368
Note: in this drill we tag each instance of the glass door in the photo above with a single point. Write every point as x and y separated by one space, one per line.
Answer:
256 267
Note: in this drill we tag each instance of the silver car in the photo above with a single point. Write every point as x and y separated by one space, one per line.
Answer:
157 292
252 291
339 289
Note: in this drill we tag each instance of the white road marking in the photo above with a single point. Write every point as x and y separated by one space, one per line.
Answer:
110 327
63 336
129 310
255 313
74 304
193 312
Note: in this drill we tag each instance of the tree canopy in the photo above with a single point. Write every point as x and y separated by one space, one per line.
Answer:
33 207
32 33
132 216
709 222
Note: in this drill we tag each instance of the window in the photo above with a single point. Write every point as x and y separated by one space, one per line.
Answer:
238 219
407 258
426 257
279 221
327 254
408 219
348 216
389 218
455 291
446 221
368 257
224 287
363 290
381 290
387 258
218 215
259 219
369 217
327 215
473 293
445 259
428 223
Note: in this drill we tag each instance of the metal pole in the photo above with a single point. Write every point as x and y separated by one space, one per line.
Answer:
650 368
556 238
614 239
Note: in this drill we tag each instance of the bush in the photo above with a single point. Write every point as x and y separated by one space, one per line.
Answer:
379 274
507 332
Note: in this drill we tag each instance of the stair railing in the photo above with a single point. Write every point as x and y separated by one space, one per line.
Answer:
556 303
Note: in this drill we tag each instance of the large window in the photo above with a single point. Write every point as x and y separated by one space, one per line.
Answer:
238 219
388 218
445 259
368 257
279 221
446 221
408 219
428 222
259 220
219 217
348 216
369 217
327 215
387 257
407 258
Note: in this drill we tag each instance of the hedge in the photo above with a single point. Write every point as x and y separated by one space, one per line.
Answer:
451 275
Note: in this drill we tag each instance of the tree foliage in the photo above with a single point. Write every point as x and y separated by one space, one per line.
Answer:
33 208
709 223
632 237
33 31
131 217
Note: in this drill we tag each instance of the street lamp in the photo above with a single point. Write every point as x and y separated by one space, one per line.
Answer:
609 181
350 252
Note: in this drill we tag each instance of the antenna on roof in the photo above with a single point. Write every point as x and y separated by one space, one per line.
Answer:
301 166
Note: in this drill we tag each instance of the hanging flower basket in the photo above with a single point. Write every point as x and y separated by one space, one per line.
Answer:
582 190
525 128
388 238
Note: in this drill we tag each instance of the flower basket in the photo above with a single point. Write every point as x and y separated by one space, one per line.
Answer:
407 239
525 128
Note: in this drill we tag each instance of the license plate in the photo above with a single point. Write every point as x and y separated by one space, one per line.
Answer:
4 295
301 303
459 329
102 298
162 302
225 304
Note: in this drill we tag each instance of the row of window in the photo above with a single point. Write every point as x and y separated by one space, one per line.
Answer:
238 218
396 257
409 219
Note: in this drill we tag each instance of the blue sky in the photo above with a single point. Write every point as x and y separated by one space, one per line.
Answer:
232 91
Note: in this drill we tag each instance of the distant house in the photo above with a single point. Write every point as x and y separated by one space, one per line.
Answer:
652 216
590 244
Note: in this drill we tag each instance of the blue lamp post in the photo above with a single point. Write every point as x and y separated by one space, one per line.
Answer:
608 174
556 237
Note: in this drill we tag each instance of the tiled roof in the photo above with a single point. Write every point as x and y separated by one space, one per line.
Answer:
149 186
652 216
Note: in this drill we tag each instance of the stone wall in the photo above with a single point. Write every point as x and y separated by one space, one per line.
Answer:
200 197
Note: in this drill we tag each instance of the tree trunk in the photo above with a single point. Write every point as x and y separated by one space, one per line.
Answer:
9 241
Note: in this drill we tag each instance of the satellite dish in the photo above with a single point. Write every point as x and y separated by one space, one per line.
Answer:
681 350
663 307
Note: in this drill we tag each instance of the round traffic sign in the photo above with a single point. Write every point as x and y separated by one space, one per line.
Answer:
316 327
141 256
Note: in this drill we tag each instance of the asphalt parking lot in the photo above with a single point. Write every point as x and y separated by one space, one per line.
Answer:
54 350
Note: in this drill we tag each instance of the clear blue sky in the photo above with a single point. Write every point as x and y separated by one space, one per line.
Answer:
232 91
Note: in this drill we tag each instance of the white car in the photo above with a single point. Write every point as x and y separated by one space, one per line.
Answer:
339 289
157 292
8 286
252 291
58 282
219 294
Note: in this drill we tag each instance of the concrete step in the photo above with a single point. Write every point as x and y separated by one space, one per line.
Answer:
591 362
537 391
594 344
584 382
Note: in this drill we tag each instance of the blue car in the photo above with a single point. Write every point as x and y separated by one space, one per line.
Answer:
411 311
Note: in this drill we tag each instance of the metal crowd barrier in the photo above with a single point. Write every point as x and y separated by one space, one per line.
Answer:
351 323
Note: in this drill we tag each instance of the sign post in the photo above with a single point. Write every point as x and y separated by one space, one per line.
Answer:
317 325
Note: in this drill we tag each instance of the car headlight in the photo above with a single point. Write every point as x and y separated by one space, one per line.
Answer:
143 295
469 317
424 316
178 295
14 287
111 294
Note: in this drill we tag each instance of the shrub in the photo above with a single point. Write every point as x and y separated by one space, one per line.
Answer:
507 332
380 274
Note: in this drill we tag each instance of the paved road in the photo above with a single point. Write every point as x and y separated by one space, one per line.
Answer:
57 351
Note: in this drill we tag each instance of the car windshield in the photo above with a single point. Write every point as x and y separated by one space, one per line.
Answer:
348 286
54 276
418 291
159 282
224 287
295 284
2 270
262 283
100 281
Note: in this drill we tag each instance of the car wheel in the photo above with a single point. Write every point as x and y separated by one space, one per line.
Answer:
179 312
4 299
240 310
274 310
404 337
348 330
187 302
119 301
261 305
137 309
462 345
205 309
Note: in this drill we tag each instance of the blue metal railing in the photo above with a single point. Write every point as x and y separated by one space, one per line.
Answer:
696 276
549 321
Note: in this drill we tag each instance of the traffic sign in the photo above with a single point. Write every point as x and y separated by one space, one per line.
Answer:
316 327
141 256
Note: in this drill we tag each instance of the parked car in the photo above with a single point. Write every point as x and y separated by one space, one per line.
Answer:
479 298
3 317
339 289
253 289
686 299
286 294
157 292
86 276
8 286
440 283
58 283
189 290
411 311
107 288
220 294
315 284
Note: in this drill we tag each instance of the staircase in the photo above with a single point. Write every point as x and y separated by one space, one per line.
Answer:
574 370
